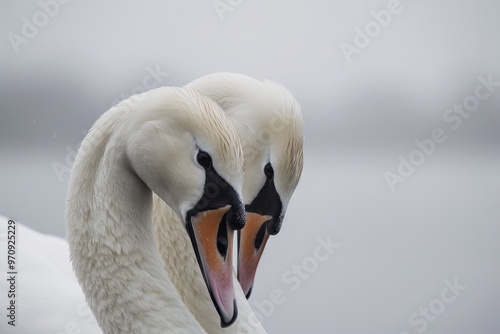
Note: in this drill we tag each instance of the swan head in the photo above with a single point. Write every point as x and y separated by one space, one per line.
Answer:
269 122
194 162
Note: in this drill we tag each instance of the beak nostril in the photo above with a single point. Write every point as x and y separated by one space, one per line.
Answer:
222 238
259 238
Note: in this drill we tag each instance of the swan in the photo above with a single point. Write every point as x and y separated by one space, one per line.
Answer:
71 309
273 165
269 123
176 143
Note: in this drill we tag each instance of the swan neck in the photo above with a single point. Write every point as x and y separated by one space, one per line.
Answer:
112 246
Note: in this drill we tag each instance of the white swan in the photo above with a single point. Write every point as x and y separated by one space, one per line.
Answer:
176 143
235 93
269 123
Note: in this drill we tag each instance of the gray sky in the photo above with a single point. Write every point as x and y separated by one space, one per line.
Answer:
89 55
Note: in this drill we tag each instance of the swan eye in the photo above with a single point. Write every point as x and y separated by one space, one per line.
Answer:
204 159
269 171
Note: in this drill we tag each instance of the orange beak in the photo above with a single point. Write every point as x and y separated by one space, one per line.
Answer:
212 239
251 242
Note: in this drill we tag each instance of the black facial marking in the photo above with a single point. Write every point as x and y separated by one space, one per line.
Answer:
268 202
217 193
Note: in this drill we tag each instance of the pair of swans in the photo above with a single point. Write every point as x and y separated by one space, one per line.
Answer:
157 190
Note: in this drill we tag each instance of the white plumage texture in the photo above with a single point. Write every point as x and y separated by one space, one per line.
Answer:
49 299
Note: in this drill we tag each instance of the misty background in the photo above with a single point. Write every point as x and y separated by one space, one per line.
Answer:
397 248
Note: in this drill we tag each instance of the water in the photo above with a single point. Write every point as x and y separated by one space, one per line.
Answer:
394 253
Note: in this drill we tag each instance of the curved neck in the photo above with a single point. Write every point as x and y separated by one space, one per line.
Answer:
185 274
112 248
